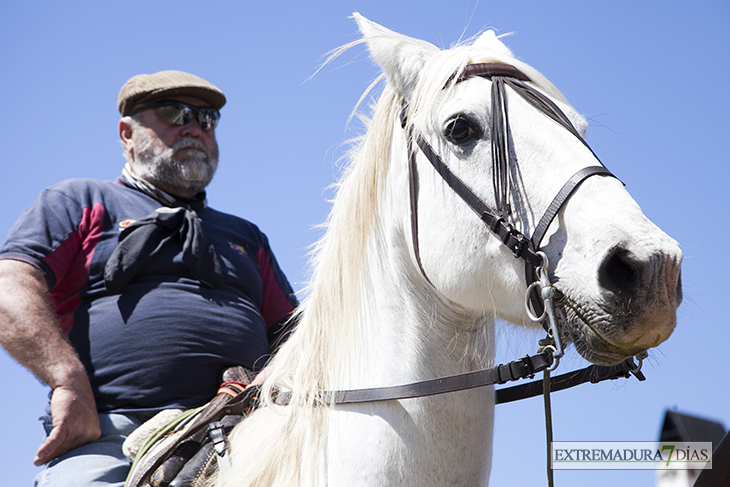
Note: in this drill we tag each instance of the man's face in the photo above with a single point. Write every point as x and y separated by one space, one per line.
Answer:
179 159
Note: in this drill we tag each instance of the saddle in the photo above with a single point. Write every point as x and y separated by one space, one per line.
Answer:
192 446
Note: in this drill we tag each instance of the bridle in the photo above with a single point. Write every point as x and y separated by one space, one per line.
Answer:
536 264
540 295
497 220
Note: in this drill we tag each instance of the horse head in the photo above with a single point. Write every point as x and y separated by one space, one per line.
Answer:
615 274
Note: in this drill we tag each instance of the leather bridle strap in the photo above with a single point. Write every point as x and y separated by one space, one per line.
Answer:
593 374
527 366
413 198
565 192
510 237
489 70
552 210
523 368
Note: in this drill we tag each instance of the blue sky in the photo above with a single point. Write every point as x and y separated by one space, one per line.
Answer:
651 77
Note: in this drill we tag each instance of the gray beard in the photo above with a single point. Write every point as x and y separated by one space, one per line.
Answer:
186 172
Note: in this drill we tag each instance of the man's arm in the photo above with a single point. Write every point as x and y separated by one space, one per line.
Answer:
30 332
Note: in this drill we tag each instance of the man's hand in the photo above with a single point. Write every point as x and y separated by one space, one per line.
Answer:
30 332
75 423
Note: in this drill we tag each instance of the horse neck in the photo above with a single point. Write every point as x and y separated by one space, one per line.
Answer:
410 332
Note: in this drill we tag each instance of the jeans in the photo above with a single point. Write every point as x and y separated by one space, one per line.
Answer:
97 464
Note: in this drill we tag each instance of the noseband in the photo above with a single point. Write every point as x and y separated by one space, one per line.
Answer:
497 220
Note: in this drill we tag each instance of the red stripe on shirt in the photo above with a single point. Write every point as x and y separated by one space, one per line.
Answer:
70 263
275 305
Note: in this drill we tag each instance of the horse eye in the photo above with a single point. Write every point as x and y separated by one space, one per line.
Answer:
460 131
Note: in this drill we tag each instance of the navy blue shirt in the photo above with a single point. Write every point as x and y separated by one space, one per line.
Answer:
165 340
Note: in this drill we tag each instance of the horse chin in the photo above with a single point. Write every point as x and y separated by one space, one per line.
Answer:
595 334
594 348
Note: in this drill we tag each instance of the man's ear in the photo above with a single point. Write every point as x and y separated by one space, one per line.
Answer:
125 134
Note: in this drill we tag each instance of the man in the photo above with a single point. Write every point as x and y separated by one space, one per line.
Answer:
133 296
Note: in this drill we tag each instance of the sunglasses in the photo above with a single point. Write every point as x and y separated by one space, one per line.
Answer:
181 113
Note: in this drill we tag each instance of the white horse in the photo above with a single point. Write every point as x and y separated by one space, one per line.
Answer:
372 318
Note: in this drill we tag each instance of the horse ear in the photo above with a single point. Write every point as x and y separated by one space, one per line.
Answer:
489 41
400 57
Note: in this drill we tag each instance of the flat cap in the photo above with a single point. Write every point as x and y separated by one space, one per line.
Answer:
145 88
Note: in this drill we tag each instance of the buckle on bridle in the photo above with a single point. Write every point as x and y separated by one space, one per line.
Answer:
519 245
512 238
526 363
522 368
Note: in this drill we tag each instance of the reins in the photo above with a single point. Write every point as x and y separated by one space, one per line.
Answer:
523 368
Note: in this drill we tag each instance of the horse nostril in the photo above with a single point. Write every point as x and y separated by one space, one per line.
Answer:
679 296
619 274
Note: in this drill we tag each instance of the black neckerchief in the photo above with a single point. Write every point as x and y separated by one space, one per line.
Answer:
141 241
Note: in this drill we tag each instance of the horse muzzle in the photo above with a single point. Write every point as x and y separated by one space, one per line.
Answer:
636 310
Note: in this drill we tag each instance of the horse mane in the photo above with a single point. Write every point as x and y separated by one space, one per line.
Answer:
318 355
330 314
331 310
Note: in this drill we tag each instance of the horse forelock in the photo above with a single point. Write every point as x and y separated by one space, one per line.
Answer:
438 77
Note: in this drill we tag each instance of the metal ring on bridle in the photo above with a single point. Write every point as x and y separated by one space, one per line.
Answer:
539 285
640 359
547 293
528 308
553 352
